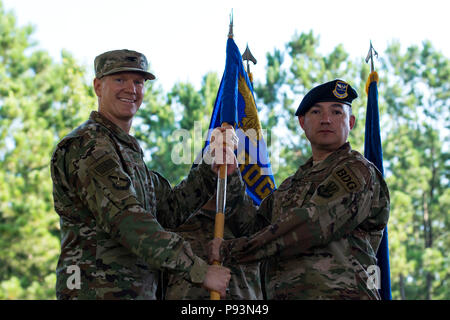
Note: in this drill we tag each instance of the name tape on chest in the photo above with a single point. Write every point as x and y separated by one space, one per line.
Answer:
347 179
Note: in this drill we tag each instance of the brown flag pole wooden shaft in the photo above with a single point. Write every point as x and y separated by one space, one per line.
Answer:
219 221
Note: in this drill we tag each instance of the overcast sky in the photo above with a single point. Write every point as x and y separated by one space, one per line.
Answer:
185 39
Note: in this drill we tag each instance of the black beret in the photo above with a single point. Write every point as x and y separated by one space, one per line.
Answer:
333 91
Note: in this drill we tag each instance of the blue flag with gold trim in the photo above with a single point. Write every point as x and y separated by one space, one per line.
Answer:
235 105
374 153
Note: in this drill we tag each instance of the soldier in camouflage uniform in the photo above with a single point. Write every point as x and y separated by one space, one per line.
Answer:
327 220
113 209
245 282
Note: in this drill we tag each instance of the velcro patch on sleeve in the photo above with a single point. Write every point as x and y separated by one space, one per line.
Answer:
328 190
105 167
120 182
347 179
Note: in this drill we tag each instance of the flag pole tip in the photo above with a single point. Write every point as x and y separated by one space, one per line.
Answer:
230 30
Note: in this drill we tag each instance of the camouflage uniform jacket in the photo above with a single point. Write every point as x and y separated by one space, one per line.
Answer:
327 222
112 212
245 282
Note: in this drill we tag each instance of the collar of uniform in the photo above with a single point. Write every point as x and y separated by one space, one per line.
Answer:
116 130
309 168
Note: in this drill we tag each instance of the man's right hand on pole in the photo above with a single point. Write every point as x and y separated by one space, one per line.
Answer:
223 143
217 279
213 249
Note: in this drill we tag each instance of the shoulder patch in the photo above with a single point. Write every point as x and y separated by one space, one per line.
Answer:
328 190
347 179
105 167
120 183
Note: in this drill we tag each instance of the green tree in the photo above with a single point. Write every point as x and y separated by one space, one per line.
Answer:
416 91
171 128
286 83
272 99
414 108
40 101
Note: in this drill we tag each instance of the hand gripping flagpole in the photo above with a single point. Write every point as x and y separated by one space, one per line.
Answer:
219 220
235 106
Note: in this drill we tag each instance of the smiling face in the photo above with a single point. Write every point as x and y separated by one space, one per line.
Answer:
327 125
120 96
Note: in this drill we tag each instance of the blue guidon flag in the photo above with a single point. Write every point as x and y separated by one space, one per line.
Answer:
235 105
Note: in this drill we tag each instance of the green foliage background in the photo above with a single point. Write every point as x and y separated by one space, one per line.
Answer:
42 100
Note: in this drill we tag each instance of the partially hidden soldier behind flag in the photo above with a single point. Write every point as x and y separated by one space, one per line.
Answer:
327 219
245 282
113 209
235 105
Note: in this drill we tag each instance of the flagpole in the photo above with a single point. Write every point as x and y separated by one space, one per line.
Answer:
247 56
219 220
374 153
373 74
230 110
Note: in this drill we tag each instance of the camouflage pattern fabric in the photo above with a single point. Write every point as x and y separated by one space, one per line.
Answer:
112 213
115 61
245 282
327 222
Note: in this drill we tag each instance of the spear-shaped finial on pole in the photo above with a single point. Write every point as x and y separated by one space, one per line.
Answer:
247 55
370 55
373 76
230 31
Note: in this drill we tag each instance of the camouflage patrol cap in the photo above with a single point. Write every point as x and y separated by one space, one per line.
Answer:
116 61
332 91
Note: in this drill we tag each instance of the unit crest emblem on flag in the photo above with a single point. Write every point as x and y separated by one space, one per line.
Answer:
250 120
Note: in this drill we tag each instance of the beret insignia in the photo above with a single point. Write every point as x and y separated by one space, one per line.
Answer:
340 91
